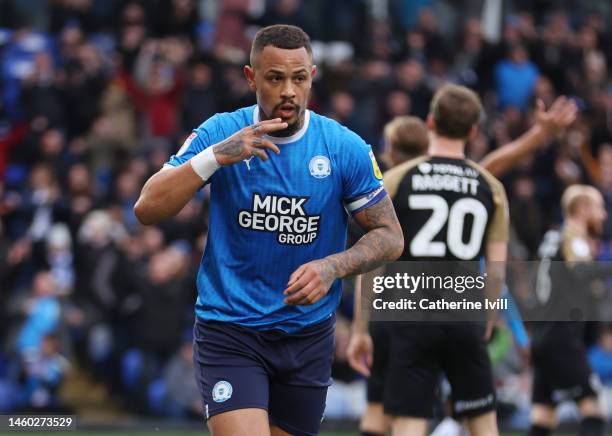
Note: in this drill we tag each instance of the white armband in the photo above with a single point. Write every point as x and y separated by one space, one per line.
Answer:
205 164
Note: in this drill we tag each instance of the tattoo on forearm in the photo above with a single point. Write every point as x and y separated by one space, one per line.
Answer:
381 214
379 245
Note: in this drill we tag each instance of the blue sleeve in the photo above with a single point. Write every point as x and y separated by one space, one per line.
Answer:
202 137
361 177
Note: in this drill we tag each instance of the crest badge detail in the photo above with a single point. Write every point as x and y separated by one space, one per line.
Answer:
222 391
319 167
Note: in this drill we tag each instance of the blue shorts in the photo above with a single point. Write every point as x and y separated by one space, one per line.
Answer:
285 374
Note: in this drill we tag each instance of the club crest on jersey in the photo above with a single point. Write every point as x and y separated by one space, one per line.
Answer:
222 391
319 167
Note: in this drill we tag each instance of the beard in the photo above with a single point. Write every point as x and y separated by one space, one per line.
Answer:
292 127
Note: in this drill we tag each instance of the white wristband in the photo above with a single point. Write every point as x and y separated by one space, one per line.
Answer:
205 163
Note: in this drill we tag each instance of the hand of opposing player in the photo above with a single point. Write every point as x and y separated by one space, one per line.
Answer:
360 352
309 283
248 142
561 114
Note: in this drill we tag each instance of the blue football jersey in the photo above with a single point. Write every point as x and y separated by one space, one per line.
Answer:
268 218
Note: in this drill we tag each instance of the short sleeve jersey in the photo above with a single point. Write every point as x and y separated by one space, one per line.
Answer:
268 218
559 291
449 209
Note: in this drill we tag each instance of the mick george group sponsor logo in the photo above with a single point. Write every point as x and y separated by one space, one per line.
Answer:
281 214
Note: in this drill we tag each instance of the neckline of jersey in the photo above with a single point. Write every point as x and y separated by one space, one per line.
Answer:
287 139
464 158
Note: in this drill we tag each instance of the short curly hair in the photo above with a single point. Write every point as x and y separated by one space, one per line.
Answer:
281 36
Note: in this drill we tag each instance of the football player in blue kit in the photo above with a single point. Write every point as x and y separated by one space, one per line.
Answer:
282 180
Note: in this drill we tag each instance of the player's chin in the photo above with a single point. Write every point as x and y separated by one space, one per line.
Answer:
292 125
291 119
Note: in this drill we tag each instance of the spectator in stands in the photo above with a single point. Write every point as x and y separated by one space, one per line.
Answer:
44 371
42 314
164 293
410 77
605 185
42 95
515 79
157 85
181 393
201 96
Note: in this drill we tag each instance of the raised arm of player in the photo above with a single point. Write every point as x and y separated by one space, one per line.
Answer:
383 242
169 190
561 114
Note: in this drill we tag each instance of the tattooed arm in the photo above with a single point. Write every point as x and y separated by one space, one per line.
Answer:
383 242
360 350
169 190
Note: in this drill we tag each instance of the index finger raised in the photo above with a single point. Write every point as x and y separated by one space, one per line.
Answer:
270 127
271 120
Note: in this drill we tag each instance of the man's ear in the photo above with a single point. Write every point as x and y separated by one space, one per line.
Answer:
313 71
249 73
431 124
473 132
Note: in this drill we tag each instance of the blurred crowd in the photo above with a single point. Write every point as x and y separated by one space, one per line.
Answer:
96 94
